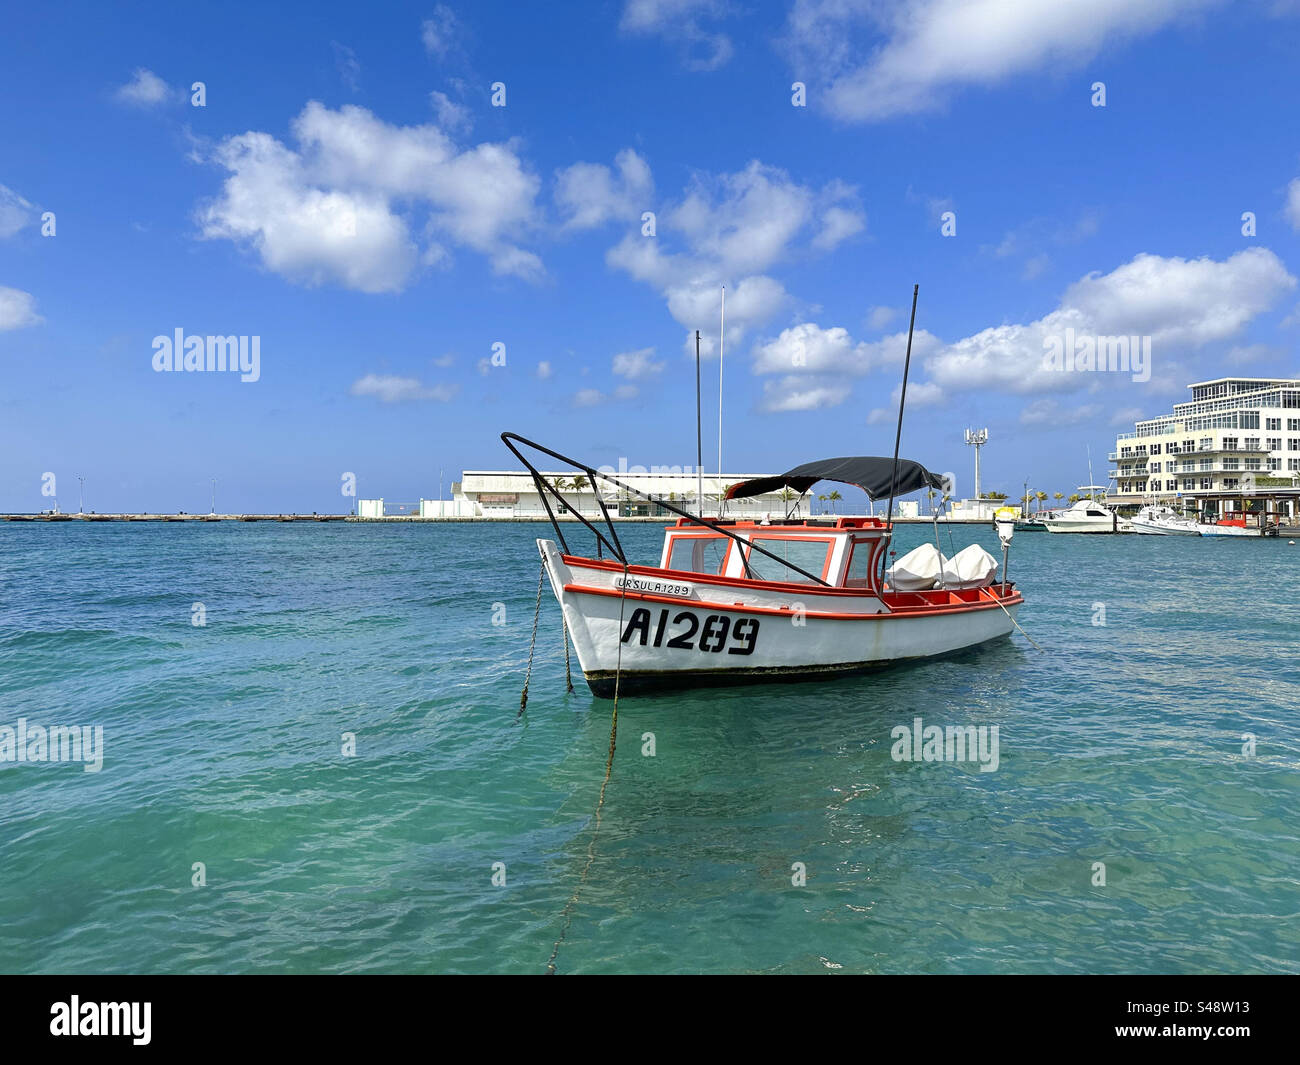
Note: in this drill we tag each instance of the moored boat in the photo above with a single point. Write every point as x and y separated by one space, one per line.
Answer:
1086 516
741 602
1157 519
1238 523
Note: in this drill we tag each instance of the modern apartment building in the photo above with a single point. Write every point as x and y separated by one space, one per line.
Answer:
1237 435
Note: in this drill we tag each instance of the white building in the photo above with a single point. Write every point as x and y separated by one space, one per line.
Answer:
512 494
1236 434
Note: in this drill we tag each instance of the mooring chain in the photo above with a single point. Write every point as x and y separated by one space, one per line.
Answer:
568 677
600 803
532 644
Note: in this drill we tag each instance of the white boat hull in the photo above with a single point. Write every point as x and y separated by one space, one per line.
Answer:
1084 527
1163 530
1228 530
665 633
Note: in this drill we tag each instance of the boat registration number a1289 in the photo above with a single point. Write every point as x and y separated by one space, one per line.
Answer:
685 631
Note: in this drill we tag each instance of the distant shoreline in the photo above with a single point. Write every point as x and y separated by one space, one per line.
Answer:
352 519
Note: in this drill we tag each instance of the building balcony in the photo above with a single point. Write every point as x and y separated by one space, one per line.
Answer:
1213 450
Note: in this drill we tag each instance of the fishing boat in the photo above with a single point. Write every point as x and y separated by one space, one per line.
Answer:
734 602
1239 523
1160 520
1086 516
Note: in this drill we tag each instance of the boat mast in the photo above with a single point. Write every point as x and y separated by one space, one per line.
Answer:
902 399
722 338
699 439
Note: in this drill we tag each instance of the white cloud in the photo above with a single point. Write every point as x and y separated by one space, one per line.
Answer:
145 89
17 309
919 394
698 305
590 194
838 224
1048 413
1127 416
1036 267
808 348
744 221
635 365
879 317
543 370
1293 203
797 393
391 389
439 31
339 207
345 61
725 229
1180 303
451 115
682 22
15 212
443 361
1245 354
922 51
593 397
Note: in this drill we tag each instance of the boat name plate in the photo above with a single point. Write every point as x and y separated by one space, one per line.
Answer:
654 586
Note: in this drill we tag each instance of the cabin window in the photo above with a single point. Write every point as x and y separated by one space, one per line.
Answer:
859 573
698 554
809 555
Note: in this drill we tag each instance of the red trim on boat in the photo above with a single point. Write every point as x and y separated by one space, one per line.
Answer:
986 600
707 578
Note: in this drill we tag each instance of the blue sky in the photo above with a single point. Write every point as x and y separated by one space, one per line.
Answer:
350 195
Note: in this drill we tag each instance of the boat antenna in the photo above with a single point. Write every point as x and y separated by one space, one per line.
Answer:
722 338
699 438
902 399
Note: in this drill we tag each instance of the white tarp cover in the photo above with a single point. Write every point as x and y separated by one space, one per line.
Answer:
971 567
917 570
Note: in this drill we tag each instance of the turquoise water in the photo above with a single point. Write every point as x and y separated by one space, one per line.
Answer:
1120 744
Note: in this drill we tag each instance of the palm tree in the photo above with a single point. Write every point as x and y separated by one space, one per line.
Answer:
1058 496
1074 498
834 497
1042 498
822 499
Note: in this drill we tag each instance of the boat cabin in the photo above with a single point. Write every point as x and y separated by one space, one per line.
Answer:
844 553
1085 508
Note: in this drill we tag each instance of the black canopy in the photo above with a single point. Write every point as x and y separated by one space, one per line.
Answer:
870 473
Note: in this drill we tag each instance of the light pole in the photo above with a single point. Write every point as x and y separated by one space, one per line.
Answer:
214 497
81 492
977 438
